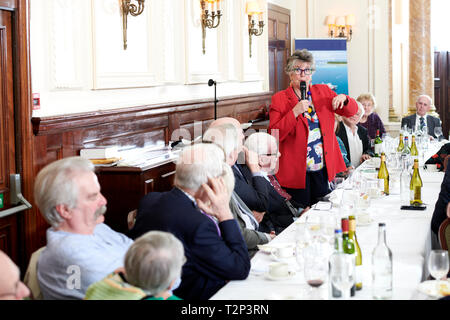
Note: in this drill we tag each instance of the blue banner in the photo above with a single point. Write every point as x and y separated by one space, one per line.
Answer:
330 56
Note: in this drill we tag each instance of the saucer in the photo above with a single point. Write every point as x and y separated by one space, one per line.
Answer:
364 223
265 248
290 275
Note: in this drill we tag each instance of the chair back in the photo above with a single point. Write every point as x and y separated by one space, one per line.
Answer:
444 235
30 279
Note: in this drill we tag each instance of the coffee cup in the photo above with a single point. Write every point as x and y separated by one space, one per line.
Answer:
283 251
279 269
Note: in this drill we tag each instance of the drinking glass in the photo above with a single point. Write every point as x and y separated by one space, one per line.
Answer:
438 132
337 183
342 272
438 263
302 239
316 266
313 224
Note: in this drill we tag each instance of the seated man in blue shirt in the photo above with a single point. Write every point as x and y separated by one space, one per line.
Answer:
80 249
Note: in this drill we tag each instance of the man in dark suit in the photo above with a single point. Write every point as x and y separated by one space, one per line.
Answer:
355 138
282 208
197 212
227 136
421 120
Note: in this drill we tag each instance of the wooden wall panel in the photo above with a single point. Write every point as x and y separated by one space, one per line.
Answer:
58 137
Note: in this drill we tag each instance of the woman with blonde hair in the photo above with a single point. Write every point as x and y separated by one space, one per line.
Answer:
370 120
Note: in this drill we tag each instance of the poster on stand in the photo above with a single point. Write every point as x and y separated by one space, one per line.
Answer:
330 56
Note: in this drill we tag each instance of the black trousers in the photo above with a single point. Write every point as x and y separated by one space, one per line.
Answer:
316 186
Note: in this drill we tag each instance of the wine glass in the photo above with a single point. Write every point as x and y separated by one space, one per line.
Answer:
337 183
438 264
316 266
438 132
302 239
342 272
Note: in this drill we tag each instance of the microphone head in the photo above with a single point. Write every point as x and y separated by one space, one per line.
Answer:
211 82
303 85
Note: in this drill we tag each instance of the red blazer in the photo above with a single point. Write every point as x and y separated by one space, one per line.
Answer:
293 133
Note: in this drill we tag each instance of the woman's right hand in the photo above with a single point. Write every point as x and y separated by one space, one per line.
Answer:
300 107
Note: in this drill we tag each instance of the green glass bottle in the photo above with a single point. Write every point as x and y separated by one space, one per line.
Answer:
358 255
383 173
400 143
378 143
405 146
415 187
348 247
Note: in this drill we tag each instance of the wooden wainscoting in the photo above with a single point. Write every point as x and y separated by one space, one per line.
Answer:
58 137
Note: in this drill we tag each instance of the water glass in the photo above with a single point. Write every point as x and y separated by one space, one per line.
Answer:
342 272
438 133
438 263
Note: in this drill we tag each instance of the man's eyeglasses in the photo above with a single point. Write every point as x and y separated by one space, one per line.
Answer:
300 71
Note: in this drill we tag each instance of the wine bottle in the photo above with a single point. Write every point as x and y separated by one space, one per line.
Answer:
382 267
383 173
405 180
415 186
405 146
400 143
358 255
413 149
378 143
335 292
348 247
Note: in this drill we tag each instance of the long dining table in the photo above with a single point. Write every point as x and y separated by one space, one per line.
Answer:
408 235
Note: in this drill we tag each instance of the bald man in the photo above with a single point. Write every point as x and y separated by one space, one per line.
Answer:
11 288
421 120
250 184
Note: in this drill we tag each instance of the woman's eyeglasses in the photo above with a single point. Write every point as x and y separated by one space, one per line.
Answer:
300 71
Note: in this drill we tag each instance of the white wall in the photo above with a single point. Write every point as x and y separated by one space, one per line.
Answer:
79 65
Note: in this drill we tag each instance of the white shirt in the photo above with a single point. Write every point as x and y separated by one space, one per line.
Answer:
417 127
355 145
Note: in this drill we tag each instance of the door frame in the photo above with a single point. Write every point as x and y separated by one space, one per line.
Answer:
22 122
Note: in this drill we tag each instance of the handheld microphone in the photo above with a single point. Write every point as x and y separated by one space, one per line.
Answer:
303 90
211 82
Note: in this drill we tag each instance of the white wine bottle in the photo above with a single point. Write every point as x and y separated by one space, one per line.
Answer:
383 173
378 143
415 186
358 255
413 149
400 143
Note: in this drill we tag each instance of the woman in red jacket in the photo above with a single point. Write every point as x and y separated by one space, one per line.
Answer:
310 154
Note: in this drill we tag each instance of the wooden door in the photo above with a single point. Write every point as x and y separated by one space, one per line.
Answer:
8 224
442 89
279 28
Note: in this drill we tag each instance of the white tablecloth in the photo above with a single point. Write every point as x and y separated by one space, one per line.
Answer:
407 233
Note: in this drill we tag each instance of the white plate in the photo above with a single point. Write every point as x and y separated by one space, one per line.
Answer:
429 287
290 275
265 248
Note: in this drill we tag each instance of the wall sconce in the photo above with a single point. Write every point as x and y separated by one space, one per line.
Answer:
210 20
340 27
128 8
252 9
